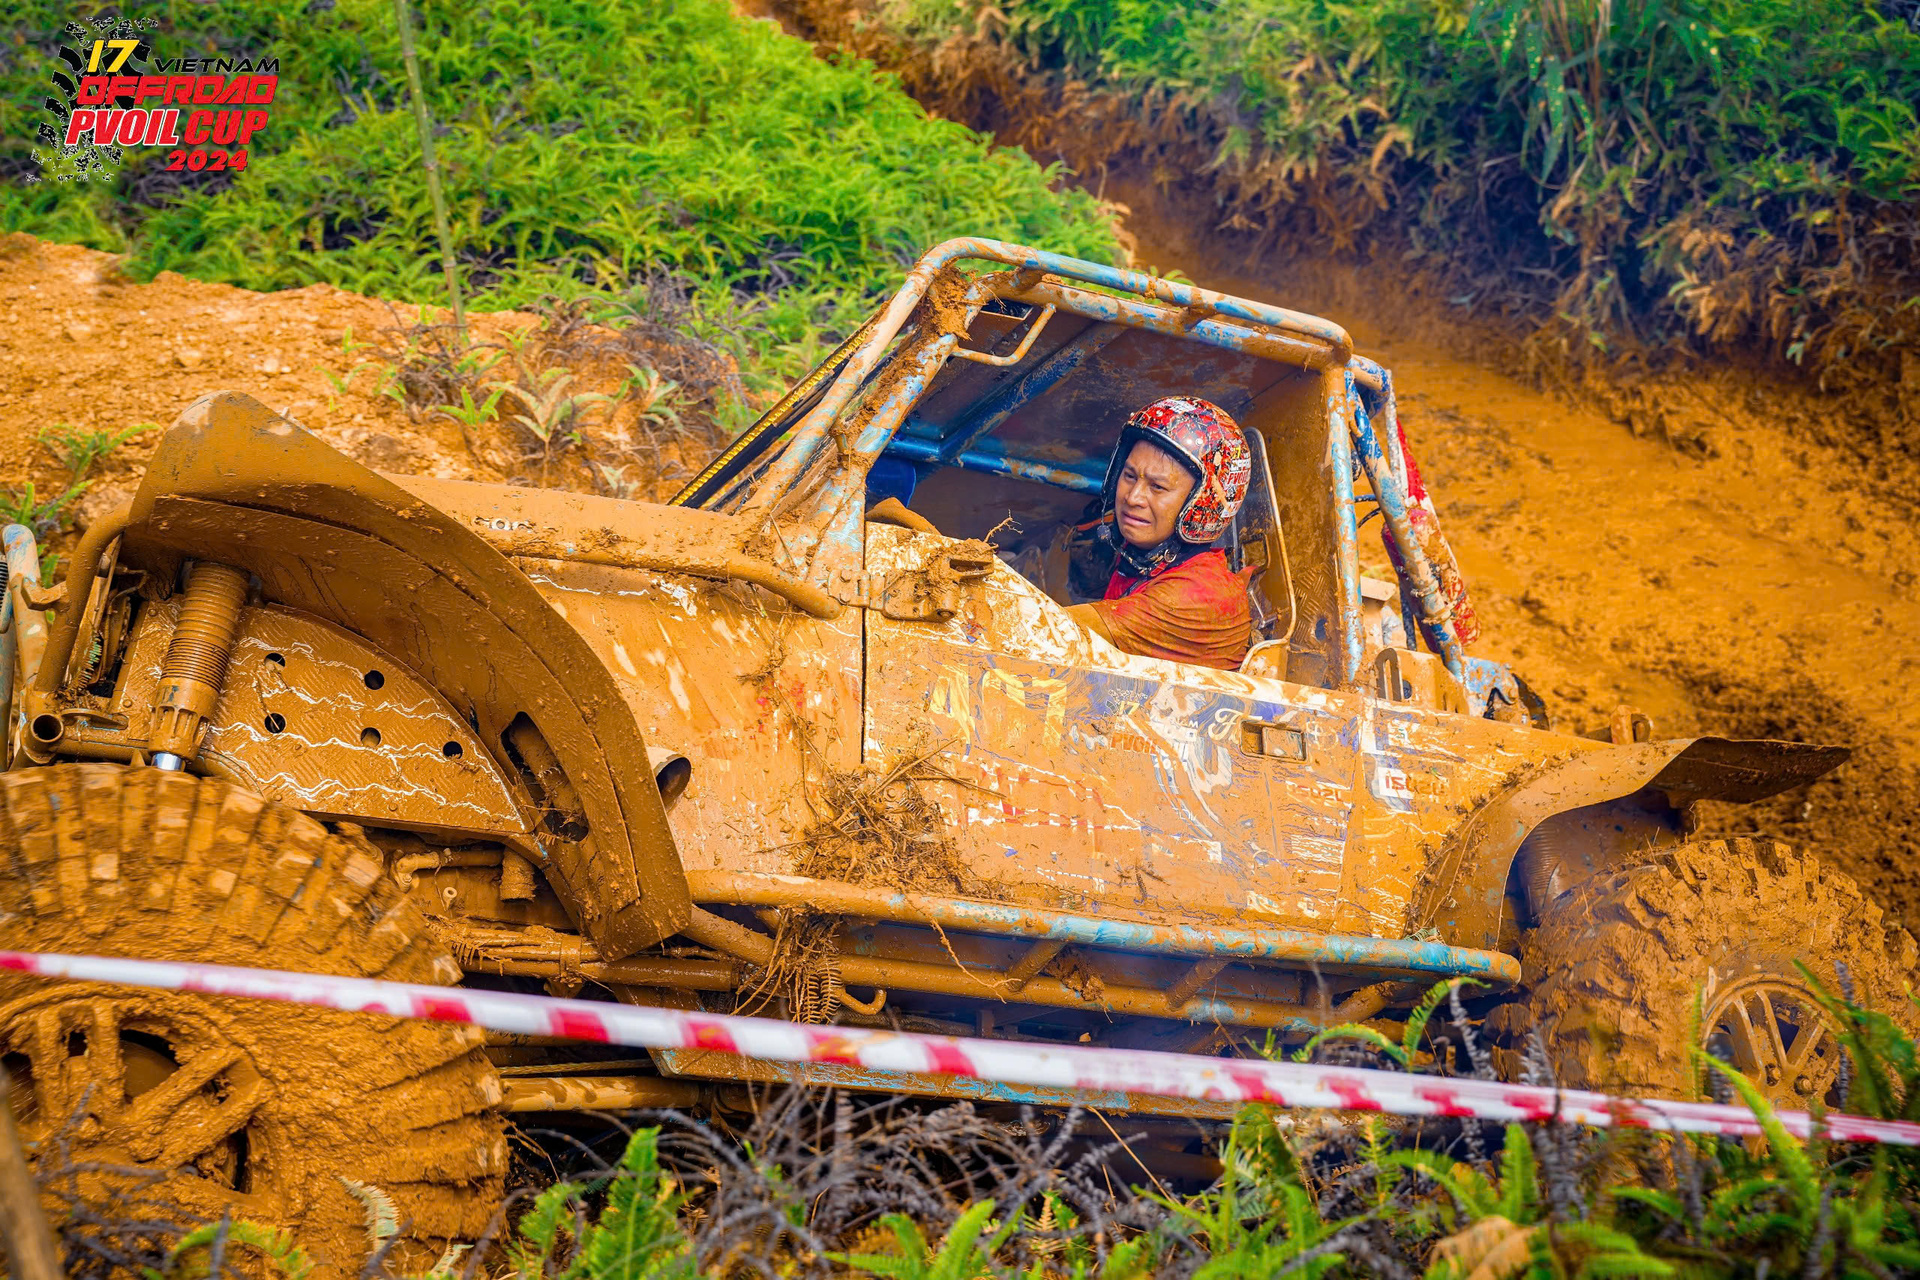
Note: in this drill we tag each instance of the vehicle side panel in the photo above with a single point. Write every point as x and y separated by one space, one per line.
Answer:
1425 774
764 702
1092 780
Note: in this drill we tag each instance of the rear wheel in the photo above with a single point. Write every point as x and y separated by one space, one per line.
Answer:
1615 965
254 1107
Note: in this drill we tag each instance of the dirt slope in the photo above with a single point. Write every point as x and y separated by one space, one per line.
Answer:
83 347
1761 591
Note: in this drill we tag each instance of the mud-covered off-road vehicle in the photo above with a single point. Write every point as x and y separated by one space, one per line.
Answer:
819 739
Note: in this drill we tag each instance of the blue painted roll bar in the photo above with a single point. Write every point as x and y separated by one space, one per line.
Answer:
995 461
1388 476
1202 304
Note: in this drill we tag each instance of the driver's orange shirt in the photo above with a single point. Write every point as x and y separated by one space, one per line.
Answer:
1195 611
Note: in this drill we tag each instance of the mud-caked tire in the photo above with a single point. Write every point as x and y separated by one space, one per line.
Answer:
1615 964
257 1108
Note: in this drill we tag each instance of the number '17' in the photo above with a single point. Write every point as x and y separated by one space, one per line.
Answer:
123 49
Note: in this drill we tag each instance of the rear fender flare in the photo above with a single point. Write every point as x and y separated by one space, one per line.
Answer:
1467 893
235 482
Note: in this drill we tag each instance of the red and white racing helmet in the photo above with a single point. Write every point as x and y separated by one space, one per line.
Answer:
1208 442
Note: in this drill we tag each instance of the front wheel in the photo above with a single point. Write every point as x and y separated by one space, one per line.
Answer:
258 1109
1616 965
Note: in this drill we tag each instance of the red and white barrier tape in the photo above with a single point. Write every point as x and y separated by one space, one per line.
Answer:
1011 1062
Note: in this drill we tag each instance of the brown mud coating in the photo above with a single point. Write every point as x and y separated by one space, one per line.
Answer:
165 866
1759 588
1619 1012
943 310
878 826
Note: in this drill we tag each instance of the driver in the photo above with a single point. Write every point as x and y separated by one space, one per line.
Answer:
1178 474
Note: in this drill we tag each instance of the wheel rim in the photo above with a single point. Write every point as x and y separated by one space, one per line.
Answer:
1773 1032
137 1082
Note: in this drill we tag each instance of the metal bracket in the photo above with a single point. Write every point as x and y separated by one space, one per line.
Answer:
937 592
41 598
1264 738
1033 963
1195 312
1019 353
1629 725
1419 679
1188 984
855 588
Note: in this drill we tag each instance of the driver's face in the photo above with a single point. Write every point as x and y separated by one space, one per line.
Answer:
1153 487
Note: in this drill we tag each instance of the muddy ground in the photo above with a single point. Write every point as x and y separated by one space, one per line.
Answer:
1687 553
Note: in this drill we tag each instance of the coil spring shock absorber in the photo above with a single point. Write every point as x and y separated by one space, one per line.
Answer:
196 665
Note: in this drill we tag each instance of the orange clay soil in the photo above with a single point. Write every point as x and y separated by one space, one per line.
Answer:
1756 585
81 346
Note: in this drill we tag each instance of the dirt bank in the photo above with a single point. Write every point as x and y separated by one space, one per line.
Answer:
82 347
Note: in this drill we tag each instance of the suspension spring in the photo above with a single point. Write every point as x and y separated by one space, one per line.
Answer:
196 666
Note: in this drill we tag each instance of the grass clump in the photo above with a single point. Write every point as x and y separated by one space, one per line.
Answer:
585 143
1625 174
79 451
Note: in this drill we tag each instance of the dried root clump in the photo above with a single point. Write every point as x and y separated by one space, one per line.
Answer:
814 1174
805 971
882 826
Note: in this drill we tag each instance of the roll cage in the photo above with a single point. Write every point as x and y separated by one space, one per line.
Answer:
1017 378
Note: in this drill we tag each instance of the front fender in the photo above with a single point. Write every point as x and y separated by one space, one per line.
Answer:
234 482
1466 894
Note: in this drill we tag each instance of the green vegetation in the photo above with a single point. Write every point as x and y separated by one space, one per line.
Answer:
1539 1200
1744 171
79 452
816 1188
586 144
42 515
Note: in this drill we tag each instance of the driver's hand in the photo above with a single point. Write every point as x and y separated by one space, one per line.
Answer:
1093 618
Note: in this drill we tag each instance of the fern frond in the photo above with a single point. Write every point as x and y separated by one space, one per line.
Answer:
1423 1012
274 1245
383 1218
1787 1149
1352 1031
